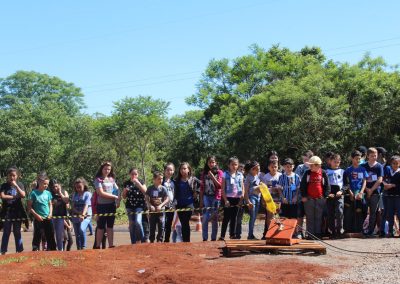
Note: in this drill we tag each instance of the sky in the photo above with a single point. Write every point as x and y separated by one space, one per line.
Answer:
118 49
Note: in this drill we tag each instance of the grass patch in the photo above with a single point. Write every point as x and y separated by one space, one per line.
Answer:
56 262
13 259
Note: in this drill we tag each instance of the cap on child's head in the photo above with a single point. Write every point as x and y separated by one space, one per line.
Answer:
288 161
381 150
362 149
315 160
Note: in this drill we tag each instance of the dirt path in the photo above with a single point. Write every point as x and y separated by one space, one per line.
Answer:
155 263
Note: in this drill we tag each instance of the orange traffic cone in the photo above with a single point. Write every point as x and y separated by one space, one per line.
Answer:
198 225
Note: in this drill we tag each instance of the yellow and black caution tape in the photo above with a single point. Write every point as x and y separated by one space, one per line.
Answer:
203 209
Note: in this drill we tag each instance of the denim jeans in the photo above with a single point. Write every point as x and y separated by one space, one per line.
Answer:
16 226
255 200
177 234
136 231
210 214
90 227
58 224
80 233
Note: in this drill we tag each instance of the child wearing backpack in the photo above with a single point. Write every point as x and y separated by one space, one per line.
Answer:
210 196
314 189
335 198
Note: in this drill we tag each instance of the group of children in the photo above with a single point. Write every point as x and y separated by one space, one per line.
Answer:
332 200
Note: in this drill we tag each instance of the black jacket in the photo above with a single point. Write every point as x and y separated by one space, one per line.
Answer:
305 180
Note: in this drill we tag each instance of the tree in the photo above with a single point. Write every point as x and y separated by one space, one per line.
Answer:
34 88
293 101
135 127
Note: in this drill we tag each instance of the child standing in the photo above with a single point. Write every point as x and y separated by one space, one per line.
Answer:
169 184
186 187
373 187
300 170
289 184
134 193
392 193
252 194
41 207
355 178
335 198
60 202
12 192
210 196
107 202
232 194
314 189
239 216
157 197
271 180
81 211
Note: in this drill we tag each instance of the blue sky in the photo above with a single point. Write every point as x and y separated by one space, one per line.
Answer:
114 49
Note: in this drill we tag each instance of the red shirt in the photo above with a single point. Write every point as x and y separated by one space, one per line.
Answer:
314 187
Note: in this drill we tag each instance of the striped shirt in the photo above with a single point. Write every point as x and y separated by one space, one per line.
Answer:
290 186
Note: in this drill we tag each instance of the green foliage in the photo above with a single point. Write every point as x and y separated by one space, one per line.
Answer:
294 101
53 261
268 99
13 259
137 130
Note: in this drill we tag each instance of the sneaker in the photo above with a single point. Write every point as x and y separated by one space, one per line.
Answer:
263 238
221 239
299 236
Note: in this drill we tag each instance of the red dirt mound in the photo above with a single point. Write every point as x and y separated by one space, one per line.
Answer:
153 263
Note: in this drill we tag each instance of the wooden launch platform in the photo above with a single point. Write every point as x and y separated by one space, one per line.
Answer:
242 247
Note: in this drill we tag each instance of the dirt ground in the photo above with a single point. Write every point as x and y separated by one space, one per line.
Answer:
200 262
154 263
